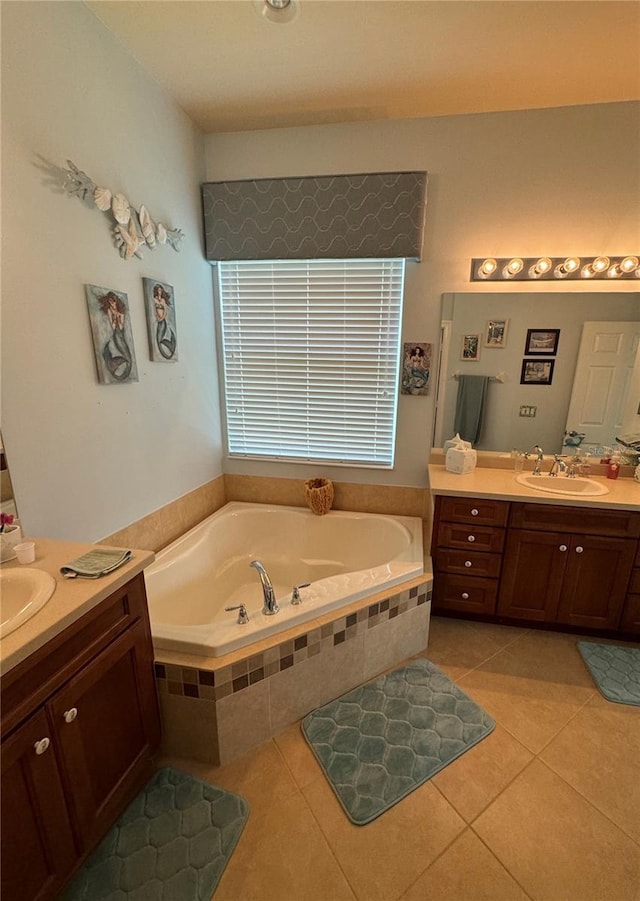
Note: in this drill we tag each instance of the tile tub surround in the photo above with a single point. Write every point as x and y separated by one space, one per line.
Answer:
216 710
159 528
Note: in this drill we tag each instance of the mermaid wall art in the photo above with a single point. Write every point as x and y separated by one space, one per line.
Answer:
160 308
112 335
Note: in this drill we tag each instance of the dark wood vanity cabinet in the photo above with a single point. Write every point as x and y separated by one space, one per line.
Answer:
468 540
81 723
542 563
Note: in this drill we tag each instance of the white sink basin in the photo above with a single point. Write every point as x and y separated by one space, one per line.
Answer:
579 486
23 592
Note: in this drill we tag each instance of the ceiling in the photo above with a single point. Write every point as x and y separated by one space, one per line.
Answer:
231 69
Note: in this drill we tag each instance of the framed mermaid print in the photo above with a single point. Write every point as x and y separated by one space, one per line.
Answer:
112 335
160 308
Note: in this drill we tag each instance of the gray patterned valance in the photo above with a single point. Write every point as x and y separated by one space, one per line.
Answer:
321 217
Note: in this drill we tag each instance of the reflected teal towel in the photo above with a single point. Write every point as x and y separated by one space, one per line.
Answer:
472 390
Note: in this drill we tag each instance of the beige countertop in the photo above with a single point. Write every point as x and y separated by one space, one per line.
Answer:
623 493
70 600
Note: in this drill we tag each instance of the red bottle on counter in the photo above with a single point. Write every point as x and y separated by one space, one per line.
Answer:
613 469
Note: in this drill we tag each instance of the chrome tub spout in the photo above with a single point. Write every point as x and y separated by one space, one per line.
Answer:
270 605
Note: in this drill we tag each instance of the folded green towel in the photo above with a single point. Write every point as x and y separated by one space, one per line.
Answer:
96 563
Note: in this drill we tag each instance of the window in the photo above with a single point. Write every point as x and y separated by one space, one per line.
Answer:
311 358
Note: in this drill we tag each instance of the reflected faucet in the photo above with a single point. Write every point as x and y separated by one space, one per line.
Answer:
270 604
557 466
540 457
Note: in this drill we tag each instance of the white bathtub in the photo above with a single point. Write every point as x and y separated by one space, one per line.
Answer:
345 557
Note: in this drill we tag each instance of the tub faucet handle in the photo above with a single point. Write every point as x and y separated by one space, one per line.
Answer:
295 597
243 616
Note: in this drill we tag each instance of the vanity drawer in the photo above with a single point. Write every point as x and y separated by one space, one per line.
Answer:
464 594
469 564
474 510
586 520
476 538
634 584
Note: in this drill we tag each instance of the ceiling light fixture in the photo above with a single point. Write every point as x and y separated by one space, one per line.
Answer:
277 11
530 268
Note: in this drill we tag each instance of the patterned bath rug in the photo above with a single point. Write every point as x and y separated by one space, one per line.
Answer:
171 844
386 737
615 670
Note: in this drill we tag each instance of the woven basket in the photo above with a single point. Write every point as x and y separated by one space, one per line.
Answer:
319 495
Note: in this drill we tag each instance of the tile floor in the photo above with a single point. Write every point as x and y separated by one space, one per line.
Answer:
547 807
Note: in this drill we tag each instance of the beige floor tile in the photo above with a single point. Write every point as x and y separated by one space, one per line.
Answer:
382 859
298 755
556 845
528 694
261 776
472 781
458 646
467 871
598 753
283 856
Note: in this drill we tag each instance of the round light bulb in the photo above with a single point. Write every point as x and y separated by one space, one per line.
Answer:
571 264
629 264
600 264
615 271
487 267
543 265
515 266
587 271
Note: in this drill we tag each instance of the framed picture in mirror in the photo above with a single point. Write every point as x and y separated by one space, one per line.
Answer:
470 349
542 341
496 333
537 372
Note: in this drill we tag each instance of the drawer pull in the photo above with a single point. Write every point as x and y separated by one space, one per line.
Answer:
41 746
579 550
467 563
70 715
563 548
471 538
465 595
475 511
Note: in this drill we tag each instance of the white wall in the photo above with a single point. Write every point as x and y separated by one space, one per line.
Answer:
87 459
541 182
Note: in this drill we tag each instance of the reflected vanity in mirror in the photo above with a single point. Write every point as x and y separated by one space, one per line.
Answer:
568 362
7 500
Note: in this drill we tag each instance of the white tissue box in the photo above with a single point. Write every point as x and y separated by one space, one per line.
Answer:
460 460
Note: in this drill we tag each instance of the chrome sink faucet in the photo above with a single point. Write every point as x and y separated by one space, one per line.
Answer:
539 458
270 604
557 466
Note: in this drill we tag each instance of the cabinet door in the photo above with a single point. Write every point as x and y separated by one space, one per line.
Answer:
532 573
105 724
596 579
38 850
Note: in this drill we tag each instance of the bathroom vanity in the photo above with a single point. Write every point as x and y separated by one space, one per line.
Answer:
511 554
80 721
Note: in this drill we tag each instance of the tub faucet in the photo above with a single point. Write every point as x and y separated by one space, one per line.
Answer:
270 604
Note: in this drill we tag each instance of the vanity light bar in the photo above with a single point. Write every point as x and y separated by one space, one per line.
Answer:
493 269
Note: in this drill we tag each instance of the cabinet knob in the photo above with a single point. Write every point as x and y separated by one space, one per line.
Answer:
70 715
465 595
467 563
563 547
579 549
475 511
41 746
471 538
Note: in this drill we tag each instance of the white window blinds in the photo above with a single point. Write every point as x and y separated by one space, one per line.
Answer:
311 358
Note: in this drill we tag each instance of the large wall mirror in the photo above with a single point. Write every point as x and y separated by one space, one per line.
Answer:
582 372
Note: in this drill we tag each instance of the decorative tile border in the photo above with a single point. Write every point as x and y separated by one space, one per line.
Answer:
208 685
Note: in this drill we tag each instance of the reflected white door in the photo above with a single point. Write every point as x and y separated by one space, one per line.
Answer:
601 382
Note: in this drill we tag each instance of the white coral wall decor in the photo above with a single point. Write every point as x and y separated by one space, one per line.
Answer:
133 229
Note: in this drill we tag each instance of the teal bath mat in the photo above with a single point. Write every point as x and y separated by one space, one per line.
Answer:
381 740
615 670
171 844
